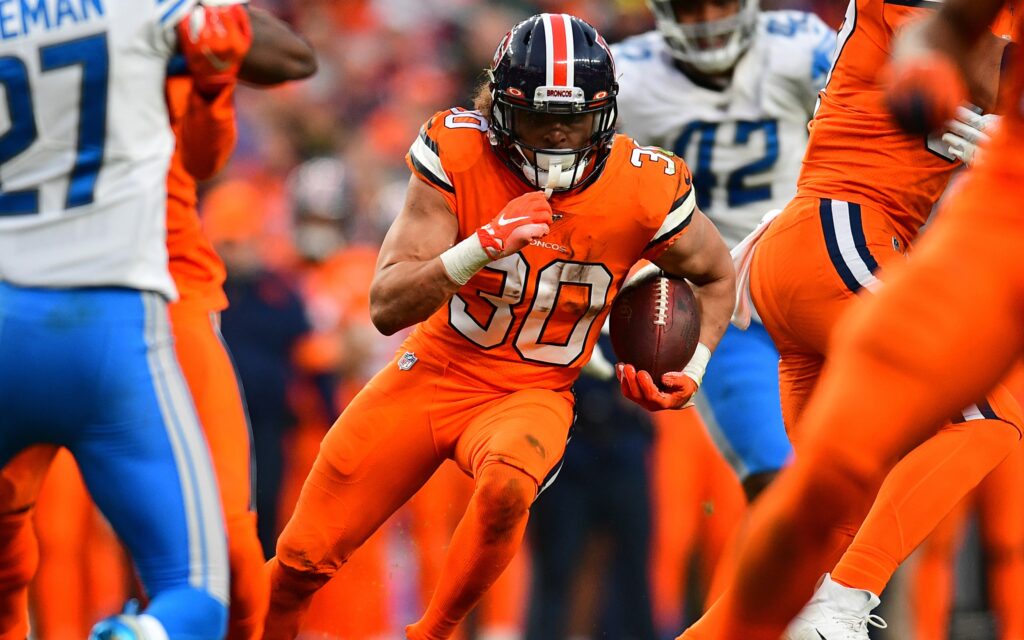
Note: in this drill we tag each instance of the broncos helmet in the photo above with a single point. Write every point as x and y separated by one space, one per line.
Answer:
553 63
711 47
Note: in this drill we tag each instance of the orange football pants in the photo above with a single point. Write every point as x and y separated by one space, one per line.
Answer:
216 392
815 260
999 504
941 333
386 444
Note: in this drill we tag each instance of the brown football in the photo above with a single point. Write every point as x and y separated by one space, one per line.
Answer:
655 323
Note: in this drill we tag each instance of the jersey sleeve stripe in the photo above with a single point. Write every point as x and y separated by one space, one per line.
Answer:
677 219
925 4
175 12
425 158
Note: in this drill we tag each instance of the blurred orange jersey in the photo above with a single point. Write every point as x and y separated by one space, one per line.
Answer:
530 320
197 270
856 152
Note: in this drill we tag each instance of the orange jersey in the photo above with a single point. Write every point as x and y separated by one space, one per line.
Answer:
856 152
530 320
197 270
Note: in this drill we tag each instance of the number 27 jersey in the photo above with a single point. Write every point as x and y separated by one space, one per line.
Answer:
530 320
85 142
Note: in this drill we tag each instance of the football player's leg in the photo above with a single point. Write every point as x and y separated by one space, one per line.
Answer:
742 388
375 457
932 580
513 448
217 395
921 490
20 481
146 464
1001 512
889 384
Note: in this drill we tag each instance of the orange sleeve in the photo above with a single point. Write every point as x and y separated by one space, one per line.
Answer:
677 216
208 133
427 155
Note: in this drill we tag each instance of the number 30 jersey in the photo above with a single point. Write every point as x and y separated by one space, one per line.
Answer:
745 142
86 142
530 320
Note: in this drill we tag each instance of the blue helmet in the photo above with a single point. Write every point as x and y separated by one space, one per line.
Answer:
553 63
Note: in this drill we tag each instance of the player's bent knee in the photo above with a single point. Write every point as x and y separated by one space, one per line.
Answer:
188 612
503 496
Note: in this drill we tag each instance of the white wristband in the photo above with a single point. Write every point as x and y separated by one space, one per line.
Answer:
464 259
694 369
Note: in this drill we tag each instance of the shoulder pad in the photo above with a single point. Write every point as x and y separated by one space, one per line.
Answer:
801 45
449 142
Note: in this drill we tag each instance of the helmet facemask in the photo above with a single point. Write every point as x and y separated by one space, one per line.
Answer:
713 47
570 166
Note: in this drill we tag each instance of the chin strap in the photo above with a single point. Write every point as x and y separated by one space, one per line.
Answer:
554 174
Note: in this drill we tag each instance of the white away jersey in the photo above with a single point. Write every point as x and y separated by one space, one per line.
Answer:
745 143
85 142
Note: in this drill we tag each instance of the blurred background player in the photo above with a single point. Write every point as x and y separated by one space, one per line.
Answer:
202 116
932 473
731 89
591 531
86 354
501 410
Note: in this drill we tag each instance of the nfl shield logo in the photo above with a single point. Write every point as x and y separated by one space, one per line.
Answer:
406 361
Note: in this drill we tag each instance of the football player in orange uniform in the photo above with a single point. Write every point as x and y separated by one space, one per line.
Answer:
857 209
200 96
508 315
943 331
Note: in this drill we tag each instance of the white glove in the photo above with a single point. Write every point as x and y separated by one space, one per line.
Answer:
967 132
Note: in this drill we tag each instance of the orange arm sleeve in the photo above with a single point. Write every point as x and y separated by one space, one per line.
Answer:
208 133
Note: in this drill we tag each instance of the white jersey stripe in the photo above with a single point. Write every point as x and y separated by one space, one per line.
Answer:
429 160
549 50
973 413
570 53
676 218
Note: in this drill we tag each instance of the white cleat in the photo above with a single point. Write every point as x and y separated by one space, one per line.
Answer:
835 612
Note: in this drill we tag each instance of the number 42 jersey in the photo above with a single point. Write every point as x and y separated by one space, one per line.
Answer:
85 142
530 320
745 142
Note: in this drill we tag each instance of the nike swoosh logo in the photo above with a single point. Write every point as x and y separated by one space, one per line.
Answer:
502 221
819 635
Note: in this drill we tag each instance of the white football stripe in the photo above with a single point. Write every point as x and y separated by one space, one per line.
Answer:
676 217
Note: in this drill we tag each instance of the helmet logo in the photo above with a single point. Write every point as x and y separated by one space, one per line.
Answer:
499 53
564 95
515 91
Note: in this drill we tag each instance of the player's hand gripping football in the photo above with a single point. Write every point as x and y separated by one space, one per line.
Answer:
215 39
677 387
523 219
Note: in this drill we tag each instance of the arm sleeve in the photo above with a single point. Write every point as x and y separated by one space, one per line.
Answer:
208 133
678 217
425 160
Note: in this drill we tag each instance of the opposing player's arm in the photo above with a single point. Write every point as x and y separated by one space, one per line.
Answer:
411 282
277 54
700 256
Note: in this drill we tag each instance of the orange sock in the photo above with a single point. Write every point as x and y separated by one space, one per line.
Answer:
250 587
918 493
483 545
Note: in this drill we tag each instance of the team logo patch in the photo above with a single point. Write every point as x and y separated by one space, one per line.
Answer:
406 361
